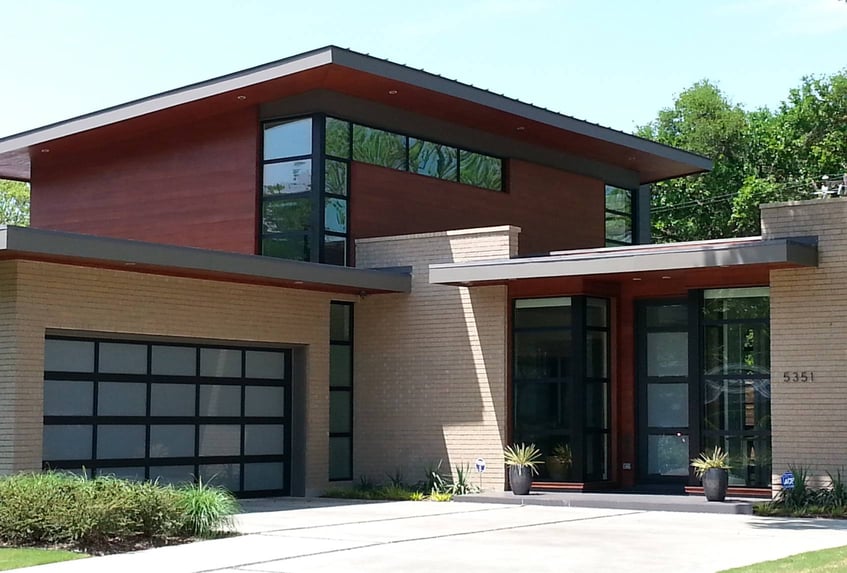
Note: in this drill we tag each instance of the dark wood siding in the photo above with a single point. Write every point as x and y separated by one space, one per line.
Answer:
554 209
192 185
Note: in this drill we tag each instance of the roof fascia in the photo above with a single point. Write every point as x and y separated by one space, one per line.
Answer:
39 242
797 252
168 99
503 103
357 61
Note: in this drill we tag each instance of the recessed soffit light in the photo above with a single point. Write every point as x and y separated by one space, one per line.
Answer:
241 97
45 150
520 128
636 278
392 92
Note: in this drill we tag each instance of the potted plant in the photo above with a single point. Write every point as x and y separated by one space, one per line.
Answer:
559 462
713 470
523 461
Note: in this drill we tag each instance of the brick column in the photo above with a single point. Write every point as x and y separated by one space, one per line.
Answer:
431 366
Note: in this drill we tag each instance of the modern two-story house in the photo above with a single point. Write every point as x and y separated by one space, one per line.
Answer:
333 265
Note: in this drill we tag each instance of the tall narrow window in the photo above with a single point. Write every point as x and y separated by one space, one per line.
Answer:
736 381
340 391
287 189
336 191
619 219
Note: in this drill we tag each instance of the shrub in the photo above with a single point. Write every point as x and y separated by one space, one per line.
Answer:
206 510
57 508
805 501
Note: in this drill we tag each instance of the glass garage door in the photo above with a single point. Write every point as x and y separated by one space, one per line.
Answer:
169 412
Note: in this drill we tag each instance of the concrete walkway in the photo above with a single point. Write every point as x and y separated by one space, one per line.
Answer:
317 536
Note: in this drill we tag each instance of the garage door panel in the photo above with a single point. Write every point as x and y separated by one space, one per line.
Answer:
68 398
172 399
171 441
121 399
120 441
173 361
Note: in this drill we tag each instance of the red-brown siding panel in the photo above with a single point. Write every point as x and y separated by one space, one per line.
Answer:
193 185
554 209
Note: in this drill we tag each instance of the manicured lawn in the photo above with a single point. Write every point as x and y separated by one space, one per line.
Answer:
824 560
12 558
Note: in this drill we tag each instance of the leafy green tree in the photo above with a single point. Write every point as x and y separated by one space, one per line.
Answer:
760 156
703 121
14 203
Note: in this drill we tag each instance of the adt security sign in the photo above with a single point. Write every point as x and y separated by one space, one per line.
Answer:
480 465
787 480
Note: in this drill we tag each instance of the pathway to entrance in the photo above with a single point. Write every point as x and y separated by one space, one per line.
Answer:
317 536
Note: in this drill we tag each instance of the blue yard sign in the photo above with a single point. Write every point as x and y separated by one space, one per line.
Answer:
787 480
480 465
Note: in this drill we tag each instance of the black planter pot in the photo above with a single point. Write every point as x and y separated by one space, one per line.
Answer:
715 482
520 478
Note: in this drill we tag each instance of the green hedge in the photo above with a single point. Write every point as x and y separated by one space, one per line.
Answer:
56 508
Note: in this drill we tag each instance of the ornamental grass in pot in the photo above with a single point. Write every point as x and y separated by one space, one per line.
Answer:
523 461
713 470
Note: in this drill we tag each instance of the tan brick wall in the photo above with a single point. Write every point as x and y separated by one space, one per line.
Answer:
37 296
809 332
431 365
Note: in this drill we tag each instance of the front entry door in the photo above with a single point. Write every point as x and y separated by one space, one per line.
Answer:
662 367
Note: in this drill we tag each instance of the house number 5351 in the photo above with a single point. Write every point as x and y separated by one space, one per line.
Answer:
795 376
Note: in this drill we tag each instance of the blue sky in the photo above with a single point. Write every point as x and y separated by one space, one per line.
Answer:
613 62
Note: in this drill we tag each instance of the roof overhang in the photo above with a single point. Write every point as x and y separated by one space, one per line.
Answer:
86 250
779 253
377 80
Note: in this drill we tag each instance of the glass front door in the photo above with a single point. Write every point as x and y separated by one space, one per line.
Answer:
663 390
560 377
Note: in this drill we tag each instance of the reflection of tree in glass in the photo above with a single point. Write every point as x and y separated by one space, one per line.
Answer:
336 177
480 170
283 216
335 215
337 138
427 158
379 147
618 199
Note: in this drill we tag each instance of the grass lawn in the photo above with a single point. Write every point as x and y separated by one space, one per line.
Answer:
823 560
12 558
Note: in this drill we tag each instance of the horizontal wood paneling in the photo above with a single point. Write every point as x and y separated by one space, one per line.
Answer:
192 185
554 209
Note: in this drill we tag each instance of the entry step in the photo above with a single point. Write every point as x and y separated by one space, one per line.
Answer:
691 504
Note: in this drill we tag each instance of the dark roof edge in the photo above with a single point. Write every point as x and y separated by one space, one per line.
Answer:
455 88
364 63
801 251
322 56
40 242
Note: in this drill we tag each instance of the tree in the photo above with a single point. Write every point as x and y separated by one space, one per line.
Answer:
14 203
760 156
703 121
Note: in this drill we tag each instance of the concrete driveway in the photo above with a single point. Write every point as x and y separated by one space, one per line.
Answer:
316 536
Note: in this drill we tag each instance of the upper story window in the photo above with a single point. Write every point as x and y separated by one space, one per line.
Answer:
618 216
346 140
287 189
306 180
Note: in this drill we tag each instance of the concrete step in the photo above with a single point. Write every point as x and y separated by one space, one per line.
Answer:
632 501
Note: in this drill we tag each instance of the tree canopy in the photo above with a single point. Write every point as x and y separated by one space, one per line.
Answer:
14 203
760 156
